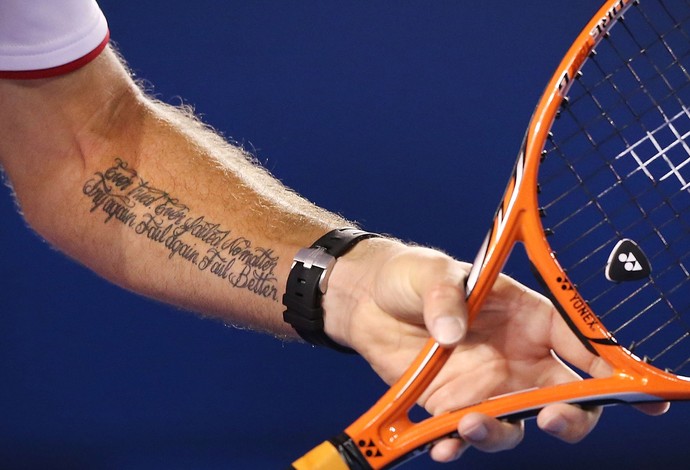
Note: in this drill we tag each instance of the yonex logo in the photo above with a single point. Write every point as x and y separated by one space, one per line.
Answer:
577 304
565 283
627 262
369 448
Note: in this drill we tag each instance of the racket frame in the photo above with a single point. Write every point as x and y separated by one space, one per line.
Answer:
385 436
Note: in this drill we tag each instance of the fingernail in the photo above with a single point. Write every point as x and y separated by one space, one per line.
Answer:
476 433
448 330
555 426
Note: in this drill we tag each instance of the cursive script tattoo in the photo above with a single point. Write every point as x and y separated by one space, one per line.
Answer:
120 195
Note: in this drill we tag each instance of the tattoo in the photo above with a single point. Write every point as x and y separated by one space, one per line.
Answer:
120 195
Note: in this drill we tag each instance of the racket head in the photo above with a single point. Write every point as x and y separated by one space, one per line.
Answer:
614 197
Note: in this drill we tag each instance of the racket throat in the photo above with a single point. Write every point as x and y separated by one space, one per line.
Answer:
586 341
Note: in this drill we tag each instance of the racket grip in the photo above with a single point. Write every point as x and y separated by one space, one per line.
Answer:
338 453
325 456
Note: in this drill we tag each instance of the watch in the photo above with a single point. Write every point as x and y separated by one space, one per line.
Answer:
308 282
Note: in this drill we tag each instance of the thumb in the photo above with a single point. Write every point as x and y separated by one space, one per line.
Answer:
445 314
430 283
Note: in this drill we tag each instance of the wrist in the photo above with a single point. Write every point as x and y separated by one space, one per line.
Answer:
351 285
308 282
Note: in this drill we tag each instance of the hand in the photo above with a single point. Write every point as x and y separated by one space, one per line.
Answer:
397 296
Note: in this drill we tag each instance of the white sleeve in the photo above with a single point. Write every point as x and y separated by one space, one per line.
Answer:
40 38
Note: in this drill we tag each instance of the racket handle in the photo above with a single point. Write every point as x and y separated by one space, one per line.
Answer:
338 453
325 456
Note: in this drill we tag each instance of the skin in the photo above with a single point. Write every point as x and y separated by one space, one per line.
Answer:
150 199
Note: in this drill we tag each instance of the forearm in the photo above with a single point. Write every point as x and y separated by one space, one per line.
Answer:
147 197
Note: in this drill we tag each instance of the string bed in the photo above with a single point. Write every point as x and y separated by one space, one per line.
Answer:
617 167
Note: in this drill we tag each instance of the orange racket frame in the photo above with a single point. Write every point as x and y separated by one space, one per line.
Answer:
385 436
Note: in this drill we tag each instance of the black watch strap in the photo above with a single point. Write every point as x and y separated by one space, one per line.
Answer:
308 281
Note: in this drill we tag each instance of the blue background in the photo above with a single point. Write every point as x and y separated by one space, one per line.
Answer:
405 116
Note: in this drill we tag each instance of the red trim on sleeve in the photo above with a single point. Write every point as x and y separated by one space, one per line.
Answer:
60 69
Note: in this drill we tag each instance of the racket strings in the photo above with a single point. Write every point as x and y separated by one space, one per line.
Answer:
662 298
618 167
624 63
667 122
616 133
594 277
623 100
661 38
675 214
662 295
645 213
582 128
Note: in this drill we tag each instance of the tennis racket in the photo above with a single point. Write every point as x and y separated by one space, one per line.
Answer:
600 199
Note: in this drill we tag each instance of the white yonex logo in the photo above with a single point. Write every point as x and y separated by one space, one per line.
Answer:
627 262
